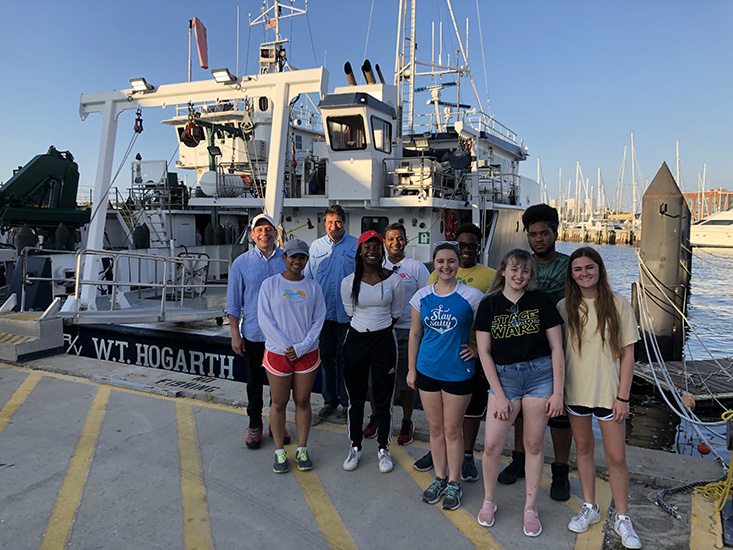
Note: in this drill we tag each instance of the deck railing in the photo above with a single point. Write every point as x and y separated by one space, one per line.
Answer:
185 275
478 120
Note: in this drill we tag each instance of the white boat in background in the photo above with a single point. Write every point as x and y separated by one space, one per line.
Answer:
715 231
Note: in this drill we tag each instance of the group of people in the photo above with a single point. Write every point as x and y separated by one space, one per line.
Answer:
542 338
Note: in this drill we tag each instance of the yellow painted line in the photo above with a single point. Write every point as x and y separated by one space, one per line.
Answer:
332 526
17 399
706 530
5 337
81 380
196 522
462 519
14 339
64 511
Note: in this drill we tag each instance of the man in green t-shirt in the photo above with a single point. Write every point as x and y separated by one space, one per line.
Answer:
541 222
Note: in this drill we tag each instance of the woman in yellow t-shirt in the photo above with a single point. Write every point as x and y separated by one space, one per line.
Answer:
600 331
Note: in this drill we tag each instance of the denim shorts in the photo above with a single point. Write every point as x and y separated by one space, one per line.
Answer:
526 379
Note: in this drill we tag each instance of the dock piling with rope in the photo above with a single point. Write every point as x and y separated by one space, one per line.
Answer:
665 262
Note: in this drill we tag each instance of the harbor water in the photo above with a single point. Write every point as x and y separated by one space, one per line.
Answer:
710 312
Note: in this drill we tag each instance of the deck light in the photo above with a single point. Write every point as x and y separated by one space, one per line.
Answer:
214 151
141 85
422 143
223 76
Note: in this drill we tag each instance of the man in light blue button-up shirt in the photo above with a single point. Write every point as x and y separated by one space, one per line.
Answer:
332 258
243 289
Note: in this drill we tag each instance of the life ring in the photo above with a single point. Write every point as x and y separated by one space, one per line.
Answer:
192 135
451 225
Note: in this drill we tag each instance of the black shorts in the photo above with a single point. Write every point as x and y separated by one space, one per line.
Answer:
599 412
425 383
476 409
561 422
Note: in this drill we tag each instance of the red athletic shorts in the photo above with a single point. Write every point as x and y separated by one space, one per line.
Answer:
279 365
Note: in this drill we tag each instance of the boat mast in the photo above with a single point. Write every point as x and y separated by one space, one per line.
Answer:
600 193
577 192
704 198
633 179
270 17
405 64
620 184
190 28
559 179
406 74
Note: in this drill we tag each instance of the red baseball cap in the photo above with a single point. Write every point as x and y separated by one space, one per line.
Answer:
371 234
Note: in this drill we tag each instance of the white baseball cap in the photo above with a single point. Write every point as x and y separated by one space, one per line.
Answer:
263 216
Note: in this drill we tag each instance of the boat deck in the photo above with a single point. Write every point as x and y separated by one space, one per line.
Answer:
145 307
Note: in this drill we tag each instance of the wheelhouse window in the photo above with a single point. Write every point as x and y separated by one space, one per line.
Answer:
382 135
346 132
376 223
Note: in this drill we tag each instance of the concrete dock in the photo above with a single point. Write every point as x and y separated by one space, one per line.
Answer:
95 454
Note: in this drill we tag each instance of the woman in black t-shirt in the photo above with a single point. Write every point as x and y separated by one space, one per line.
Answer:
520 344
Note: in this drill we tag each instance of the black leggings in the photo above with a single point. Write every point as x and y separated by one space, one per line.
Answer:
366 352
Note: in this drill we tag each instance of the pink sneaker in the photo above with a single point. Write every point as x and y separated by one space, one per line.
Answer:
486 515
532 525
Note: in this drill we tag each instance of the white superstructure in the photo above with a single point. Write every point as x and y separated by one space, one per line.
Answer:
277 142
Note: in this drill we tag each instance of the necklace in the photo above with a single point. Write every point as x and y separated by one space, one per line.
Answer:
465 275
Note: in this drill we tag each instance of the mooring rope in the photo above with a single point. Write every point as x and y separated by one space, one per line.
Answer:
719 489
672 510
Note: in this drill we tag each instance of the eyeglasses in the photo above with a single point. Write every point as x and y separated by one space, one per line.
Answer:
470 246
452 243
514 310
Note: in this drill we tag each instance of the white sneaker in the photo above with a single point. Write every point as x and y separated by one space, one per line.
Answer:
352 461
588 515
625 530
385 461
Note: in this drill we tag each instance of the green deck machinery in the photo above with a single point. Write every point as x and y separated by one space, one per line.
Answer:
42 194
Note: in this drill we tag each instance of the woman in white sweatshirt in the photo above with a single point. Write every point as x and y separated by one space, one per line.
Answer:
291 310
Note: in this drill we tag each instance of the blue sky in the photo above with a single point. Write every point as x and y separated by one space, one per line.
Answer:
572 78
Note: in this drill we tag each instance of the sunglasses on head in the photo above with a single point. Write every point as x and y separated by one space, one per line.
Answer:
514 310
452 243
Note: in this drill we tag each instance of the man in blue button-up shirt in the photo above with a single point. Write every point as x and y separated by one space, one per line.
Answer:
243 289
332 258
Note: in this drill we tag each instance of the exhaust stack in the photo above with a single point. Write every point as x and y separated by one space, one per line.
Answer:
379 73
366 68
349 74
